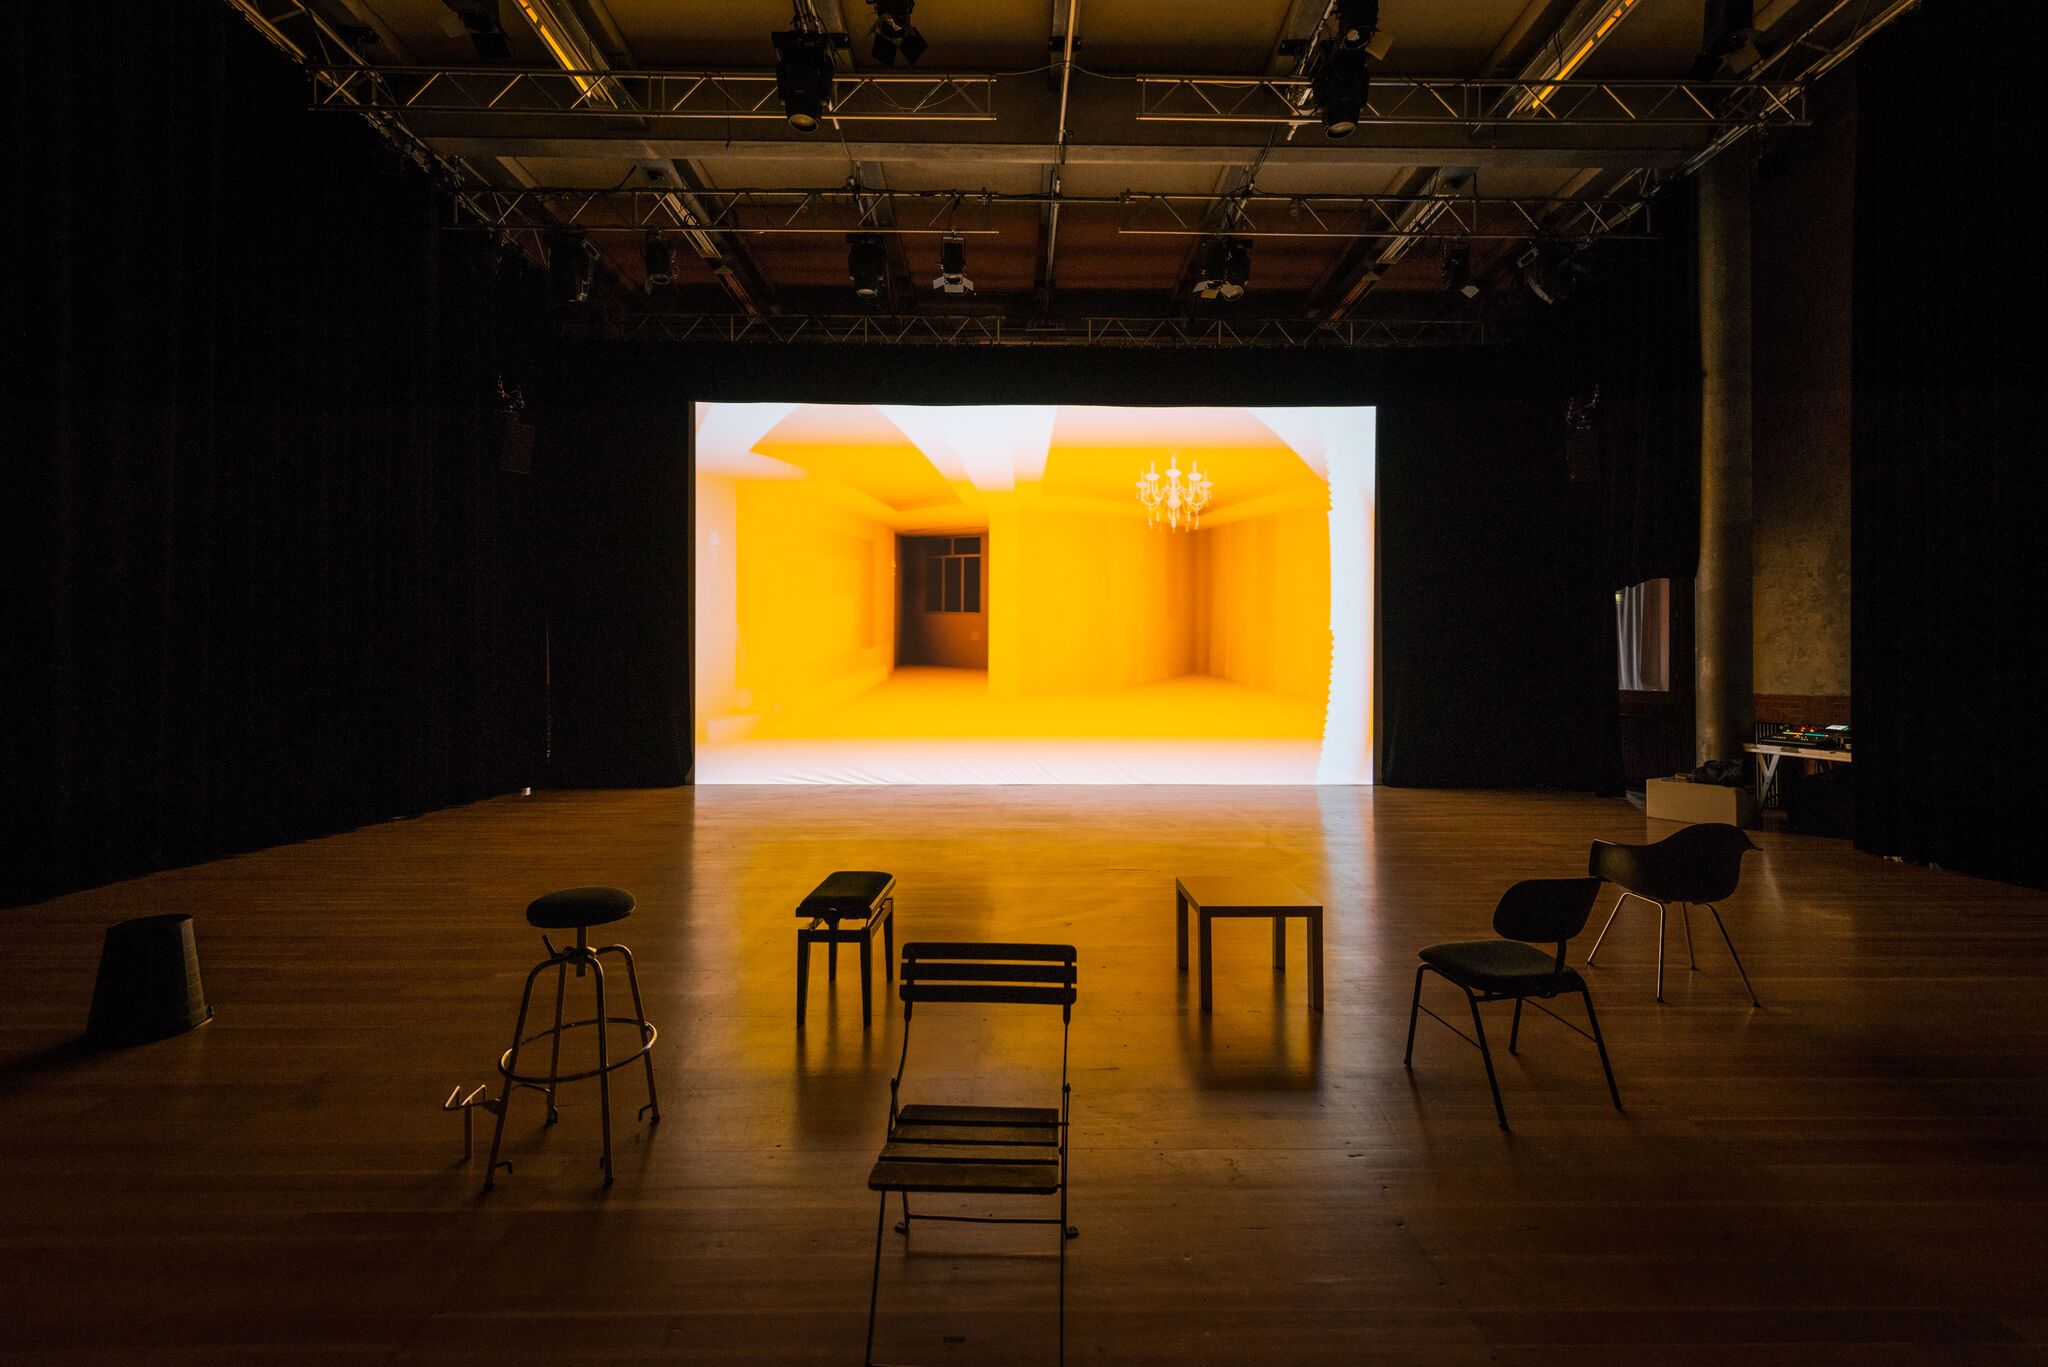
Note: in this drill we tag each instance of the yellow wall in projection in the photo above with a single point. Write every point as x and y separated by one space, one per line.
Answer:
1084 601
815 596
1264 602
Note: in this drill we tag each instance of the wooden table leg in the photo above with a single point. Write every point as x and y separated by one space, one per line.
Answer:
803 974
1315 961
1279 944
1180 928
1204 952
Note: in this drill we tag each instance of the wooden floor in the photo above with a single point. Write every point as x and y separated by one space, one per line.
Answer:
1852 1175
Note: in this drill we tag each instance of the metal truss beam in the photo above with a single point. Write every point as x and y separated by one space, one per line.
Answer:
1478 106
652 95
973 212
996 330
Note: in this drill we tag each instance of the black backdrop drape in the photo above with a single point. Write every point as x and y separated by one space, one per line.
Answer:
1496 618
268 579
1948 492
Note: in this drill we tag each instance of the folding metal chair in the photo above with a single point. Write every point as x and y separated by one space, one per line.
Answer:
978 1150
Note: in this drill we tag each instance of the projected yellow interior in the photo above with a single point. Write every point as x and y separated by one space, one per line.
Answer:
977 594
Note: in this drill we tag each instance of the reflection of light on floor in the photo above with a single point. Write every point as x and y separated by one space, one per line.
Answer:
942 726
956 702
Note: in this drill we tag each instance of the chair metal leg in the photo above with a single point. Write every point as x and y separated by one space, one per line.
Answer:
903 1225
1414 1010
1515 1030
555 1049
1662 912
875 1283
1062 1237
803 974
867 979
653 1108
511 1067
1600 1043
604 1072
1601 938
1685 914
1479 1027
1733 955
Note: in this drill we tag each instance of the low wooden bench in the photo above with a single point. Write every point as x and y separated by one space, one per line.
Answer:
866 897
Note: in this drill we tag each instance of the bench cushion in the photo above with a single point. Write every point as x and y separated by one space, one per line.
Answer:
845 894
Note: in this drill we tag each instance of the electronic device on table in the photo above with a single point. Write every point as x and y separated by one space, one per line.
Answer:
1810 737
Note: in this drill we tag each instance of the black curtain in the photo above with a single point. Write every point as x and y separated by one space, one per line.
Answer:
1496 617
269 581
1948 493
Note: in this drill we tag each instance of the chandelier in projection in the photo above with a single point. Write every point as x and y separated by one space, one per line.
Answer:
1175 498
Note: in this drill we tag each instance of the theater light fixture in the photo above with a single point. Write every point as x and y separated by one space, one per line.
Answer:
1357 20
895 33
1175 499
1458 269
1341 86
952 276
660 260
1226 268
572 266
803 76
867 262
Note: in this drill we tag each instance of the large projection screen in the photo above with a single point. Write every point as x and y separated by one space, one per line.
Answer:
957 594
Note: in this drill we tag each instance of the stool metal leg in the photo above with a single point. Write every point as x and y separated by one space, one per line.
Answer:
803 973
511 1067
832 964
652 1108
555 1051
604 1072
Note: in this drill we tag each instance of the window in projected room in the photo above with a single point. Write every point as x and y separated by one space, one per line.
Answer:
849 627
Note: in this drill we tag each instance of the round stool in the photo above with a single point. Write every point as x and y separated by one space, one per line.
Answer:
577 909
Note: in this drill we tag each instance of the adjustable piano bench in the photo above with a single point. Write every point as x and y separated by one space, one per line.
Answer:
832 910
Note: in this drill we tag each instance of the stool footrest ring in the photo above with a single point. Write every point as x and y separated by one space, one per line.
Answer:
647 1033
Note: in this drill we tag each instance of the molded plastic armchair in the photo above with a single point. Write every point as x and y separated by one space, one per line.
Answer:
1697 866
1548 910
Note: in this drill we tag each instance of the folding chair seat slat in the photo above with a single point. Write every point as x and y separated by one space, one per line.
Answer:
979 1115
903 1151
1022 1179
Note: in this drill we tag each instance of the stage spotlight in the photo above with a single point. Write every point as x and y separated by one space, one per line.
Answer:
894 32
803 76
1226 268
867 262
1341 87
952 277
1552 271
1458 269
660 260
572 266
1357 21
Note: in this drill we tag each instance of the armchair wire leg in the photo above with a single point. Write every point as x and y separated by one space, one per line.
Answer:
1733 955
1663 913
1414 1010
1485 1053
1685 913
1600 1043
1601 938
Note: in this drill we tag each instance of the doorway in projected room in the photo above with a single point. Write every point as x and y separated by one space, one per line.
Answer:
1033 594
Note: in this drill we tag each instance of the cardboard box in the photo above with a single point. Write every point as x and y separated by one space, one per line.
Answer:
1677 799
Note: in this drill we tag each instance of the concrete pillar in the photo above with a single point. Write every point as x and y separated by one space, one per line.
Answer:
1722 665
